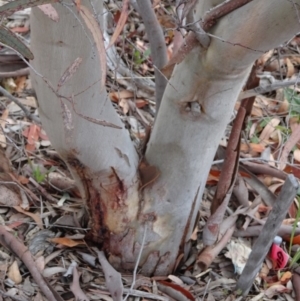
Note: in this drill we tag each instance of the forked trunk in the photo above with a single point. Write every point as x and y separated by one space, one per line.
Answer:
195 110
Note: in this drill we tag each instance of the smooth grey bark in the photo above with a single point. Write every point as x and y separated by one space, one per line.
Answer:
196 107
102 159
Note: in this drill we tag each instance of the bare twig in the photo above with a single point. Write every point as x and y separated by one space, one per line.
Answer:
137 264
20 72
157 46
277 84
18 103
263 243
43 191
252 231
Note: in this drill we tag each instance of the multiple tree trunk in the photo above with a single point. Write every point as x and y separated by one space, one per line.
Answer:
197 105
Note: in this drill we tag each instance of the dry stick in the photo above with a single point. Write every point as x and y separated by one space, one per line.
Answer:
18 103
263 243
252 231
277 84
20 72
12 243
137 264
157 46
43 191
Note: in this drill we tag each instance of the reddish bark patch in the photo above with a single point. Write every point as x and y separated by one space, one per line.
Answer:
118 190
148 217
99 233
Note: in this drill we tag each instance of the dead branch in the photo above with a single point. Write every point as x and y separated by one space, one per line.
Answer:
14 245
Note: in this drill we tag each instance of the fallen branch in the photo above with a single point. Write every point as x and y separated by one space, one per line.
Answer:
262 89
13 244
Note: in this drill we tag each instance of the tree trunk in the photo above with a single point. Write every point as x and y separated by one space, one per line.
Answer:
194 112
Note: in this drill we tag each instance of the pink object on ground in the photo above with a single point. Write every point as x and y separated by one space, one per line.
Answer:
278 257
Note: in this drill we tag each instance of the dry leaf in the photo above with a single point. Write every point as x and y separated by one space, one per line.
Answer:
175 279
67 241
124 105
9 197
3 121
286 277
290 143
275 289
290 68
32 134
118 95
268 130
35 216
14 273
239 253
258 148
297 154
20 83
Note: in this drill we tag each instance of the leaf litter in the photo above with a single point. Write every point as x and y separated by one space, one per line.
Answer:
47 215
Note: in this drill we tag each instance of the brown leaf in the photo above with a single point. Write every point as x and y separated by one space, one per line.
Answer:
290 143
268 130
14 273
67 241
2 124
121 23
117 95
34 216
175 291
290 68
